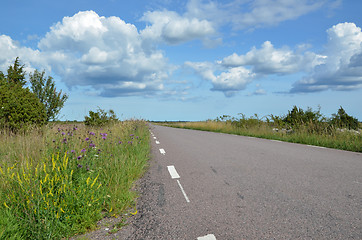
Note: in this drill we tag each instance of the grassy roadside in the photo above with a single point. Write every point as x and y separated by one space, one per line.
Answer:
61 180
336 139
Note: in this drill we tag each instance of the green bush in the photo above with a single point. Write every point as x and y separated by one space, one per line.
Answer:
343 120
100 118
19 108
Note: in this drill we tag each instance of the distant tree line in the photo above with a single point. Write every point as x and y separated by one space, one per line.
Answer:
22 108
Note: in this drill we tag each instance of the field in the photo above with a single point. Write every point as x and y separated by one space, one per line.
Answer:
312 134
60 180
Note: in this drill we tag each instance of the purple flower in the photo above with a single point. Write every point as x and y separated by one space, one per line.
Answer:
79 157
92 133
87 139
72 151
63 133
75 128
131 135
64 140
59 129
120 142
130 142
104 138
53 140
80 166
83 150
92 145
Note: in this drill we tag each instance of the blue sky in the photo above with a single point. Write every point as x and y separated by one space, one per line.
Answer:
190 60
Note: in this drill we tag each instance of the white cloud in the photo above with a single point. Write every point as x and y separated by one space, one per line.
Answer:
10 49
105 53
269 60
229 81
170 27
342 69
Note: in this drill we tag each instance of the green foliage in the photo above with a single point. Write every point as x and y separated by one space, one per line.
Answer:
343 120
298 117
100 118
19 108
44 89
16 73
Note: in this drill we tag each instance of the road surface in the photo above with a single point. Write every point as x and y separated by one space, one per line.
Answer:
204 185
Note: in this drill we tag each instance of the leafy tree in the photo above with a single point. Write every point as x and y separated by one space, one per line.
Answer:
44 88
100 118
16 73
343 120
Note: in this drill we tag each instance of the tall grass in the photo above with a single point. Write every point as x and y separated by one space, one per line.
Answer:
312 135
61 180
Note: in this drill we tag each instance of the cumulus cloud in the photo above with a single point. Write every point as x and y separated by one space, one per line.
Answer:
342 69
229 81
10 49
105 53
269 60
170 27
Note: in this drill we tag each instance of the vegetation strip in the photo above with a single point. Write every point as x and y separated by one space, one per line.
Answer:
61 180
341 131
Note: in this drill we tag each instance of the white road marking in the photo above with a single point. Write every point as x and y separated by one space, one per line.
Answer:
316 146
182 190
173 172
157 142
162 151
276 141
154 137
207 237
357 182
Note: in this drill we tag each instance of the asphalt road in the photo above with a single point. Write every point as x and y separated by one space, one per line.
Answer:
235 187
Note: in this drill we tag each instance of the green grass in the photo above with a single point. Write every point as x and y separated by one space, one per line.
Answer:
59 181
331 139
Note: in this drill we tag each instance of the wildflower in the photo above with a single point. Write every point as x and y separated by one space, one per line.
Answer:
59 129
79 157
120 142
64 140
92 133
87 139
104 138
131 135
92 145
80 166
63 133
130 142
75 128
83 150
72 151
53 140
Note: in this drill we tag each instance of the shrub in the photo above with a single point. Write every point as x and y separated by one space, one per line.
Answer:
343 120
19 108
100 118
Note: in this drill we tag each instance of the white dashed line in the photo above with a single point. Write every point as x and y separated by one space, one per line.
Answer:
182 190
157 142
154 137
207 237
162 151
173 172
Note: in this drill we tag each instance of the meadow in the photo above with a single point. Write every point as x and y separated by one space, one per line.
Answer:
59 180
313 133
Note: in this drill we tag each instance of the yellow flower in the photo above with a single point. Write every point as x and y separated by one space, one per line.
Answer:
6 205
